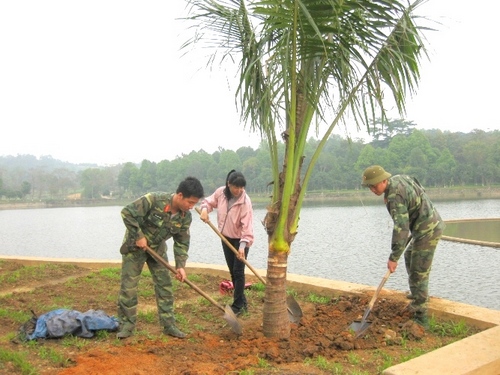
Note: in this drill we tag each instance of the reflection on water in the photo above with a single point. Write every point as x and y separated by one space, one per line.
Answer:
338 243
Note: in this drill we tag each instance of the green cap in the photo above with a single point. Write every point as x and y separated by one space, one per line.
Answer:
373 175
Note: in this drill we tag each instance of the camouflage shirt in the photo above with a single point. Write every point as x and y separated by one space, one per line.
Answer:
411 210
150 216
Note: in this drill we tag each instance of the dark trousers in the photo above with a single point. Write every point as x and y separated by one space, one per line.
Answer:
237 270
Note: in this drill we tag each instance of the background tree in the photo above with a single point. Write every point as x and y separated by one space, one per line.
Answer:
93 181
451 162
304 66
444 169
383 131
228 160
126 177
25 189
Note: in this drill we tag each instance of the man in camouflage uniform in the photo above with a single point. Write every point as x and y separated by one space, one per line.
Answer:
414 215
150 221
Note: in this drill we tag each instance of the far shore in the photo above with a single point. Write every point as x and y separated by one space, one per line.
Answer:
333 198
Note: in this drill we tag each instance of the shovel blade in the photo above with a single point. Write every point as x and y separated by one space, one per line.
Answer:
360 327
294 310
232 320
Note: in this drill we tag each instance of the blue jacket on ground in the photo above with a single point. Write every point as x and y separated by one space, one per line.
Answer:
61 322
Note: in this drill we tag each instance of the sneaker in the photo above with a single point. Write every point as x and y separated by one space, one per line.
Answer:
126 330
174 332
410 296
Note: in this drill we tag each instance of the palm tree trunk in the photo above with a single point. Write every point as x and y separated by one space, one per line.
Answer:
275 320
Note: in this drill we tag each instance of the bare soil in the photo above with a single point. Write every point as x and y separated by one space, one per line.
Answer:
321 343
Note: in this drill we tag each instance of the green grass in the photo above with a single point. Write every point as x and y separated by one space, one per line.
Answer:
111 273
314 298
246 372
18 316
353 358
75 341
20 361
413 353
145 292
149 316
30 272
53 356
387 360
102 335
449 328
259 287
182 320
262 363
323 364
194 278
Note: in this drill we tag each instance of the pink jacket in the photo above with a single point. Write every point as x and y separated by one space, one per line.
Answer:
235 222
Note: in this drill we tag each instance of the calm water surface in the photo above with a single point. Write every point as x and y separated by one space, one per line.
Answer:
339 243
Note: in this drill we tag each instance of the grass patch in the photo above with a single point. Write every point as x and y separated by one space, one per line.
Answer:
53 356
111 273
449 328
31 272
148 316
314 298
19 360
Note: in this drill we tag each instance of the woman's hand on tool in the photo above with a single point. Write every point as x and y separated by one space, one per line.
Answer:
241 254
204 215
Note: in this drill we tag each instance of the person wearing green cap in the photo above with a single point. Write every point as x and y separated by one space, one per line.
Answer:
413 215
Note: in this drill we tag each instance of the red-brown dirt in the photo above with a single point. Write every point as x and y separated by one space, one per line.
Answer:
320 343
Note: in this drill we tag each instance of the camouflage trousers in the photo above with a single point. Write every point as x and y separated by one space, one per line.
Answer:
132 265
418 262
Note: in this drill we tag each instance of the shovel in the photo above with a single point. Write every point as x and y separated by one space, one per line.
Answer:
359 327
293 308
229 315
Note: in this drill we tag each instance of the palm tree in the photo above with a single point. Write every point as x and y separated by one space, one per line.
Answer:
304 66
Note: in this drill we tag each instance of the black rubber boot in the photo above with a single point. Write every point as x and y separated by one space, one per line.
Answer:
126 330
421 318
173 331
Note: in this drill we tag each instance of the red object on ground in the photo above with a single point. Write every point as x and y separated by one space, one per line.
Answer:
226 286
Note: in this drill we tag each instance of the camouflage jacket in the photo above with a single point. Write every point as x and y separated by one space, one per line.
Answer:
150 216
411 210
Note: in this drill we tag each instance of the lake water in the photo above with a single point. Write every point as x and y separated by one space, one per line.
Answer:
340 243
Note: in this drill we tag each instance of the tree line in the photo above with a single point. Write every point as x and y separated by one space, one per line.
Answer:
436 158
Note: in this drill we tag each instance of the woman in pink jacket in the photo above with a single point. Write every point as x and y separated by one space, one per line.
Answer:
235 222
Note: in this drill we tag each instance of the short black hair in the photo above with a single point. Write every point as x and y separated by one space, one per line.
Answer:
191 187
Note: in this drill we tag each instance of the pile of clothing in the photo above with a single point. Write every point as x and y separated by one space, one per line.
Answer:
61 322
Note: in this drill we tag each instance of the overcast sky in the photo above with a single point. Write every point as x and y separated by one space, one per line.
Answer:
104 81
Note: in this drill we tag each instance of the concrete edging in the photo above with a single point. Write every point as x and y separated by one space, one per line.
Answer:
475 355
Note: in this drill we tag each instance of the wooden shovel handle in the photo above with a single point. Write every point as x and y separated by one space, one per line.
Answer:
380 286
161 260
230 245
386 276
